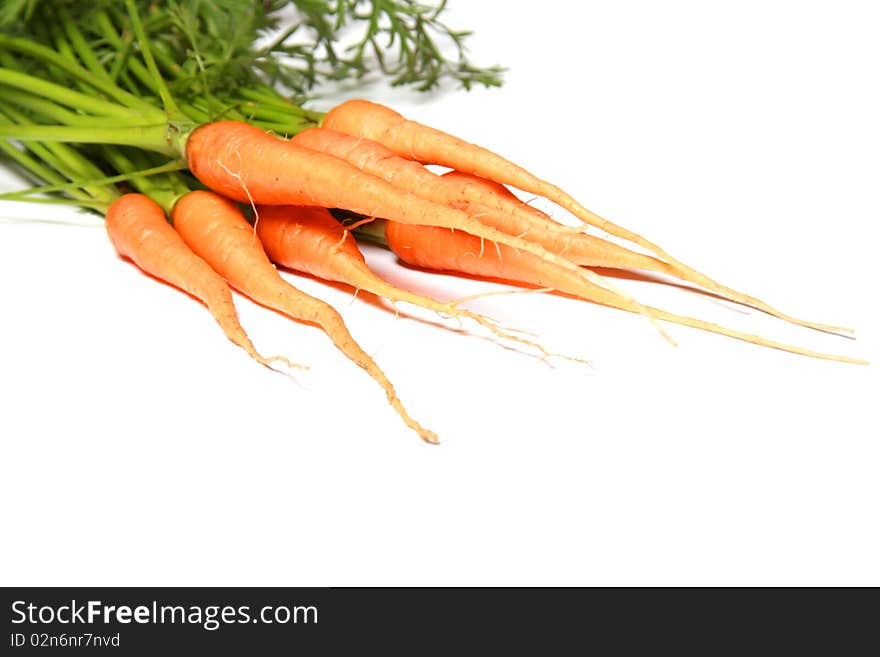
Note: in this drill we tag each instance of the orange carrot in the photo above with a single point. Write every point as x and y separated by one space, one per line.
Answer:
217 231
442 249
310 240
492 204
361 118
515 216
246 164
137 227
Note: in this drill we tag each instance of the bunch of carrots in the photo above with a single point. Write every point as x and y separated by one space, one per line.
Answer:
212 195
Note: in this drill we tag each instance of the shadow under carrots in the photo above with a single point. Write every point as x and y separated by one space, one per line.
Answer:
451 324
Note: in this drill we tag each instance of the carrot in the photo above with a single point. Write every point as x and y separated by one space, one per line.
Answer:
217 231
309 239
247 164
137 227
489 202
361 118
516 216
492 204
442 249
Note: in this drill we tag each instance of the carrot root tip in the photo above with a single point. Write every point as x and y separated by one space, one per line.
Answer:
285 361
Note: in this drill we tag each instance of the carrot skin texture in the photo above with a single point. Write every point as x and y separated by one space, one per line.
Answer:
139 231
244 163
410 139
309 239
362 118
217 230
488 202
442 249
585 250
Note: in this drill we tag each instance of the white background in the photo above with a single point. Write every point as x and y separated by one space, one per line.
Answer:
139 446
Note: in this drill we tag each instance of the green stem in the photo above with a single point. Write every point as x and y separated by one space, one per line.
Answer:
50 110
269 96
60 185
124 62
197 114
166 59
373 231
141 74
276 43
259 110
84 202
75 166
272 112
166 190
40 106
122 54
36 169
219 109
64 47
286 130
167 100
69 162
63 95
108 31
80 46
162 137
25 161
49 56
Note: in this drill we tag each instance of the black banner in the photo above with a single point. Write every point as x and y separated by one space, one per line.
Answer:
133 621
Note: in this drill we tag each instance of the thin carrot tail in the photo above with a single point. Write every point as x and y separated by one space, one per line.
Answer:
284 230
667 263
519 243
237 336
138 229
693 276
677 268
331 321
460 255
751 338
217 230
213 150
354 271
497 238
601 297
493 326
499 332
294 303
429 145
452 309
531 222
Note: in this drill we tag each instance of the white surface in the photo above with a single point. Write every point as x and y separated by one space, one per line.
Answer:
140 447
